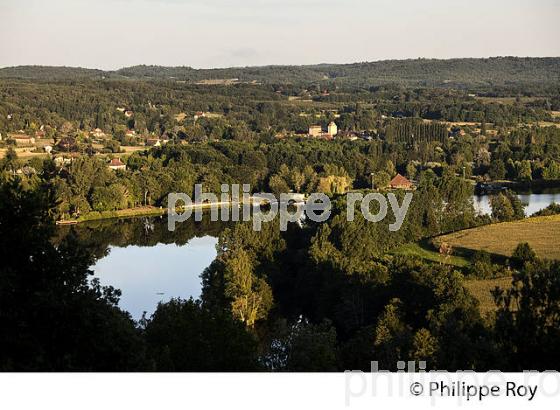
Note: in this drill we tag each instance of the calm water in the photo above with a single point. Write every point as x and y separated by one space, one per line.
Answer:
147 262
148 275
533 201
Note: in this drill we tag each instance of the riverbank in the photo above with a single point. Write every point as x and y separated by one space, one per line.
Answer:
123 213
537 184
132 213
159 211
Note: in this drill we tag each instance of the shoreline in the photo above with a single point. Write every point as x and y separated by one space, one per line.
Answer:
533 184
133 213
141 211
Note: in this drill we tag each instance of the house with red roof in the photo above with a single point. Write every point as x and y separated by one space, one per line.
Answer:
117 164
400 182
21 139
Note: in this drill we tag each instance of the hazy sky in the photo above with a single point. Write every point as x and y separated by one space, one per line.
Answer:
110 34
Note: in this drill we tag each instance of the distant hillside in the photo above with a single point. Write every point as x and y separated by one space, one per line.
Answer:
37 72
497 71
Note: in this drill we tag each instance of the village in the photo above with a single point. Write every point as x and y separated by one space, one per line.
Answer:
65 144
126 133
48 142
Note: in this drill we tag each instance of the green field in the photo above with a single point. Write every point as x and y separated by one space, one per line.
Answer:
480 288
424 250
542 234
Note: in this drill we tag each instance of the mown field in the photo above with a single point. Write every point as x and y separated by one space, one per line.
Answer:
482 289
542 234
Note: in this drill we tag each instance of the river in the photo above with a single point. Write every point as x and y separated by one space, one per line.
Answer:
534 200
148 275
149 264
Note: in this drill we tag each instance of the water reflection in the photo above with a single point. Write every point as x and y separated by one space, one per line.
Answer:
145 261
148 275
533 201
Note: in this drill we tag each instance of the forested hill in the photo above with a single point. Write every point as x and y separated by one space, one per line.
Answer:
497 71
37 72
421 71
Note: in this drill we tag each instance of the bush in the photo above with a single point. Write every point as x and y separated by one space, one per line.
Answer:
522 255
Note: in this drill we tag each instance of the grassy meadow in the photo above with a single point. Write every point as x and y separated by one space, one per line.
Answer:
482 289
542 234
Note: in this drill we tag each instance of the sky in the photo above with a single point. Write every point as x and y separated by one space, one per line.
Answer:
110 34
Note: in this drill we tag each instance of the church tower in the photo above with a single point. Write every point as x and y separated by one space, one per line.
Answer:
332 129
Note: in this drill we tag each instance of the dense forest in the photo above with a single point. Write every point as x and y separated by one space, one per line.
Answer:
498 71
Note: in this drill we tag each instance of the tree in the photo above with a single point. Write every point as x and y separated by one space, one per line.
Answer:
524 172
310 183
390 168
250 297
195 133
523 254
392 336
551 170
304 347
424 347
506 207
109 198
501 208
516 204
528 317
112 146
10 161
333 184
278 185
183 336
381 179
481 265
297 180
497 170
51 317
457 192
411 170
